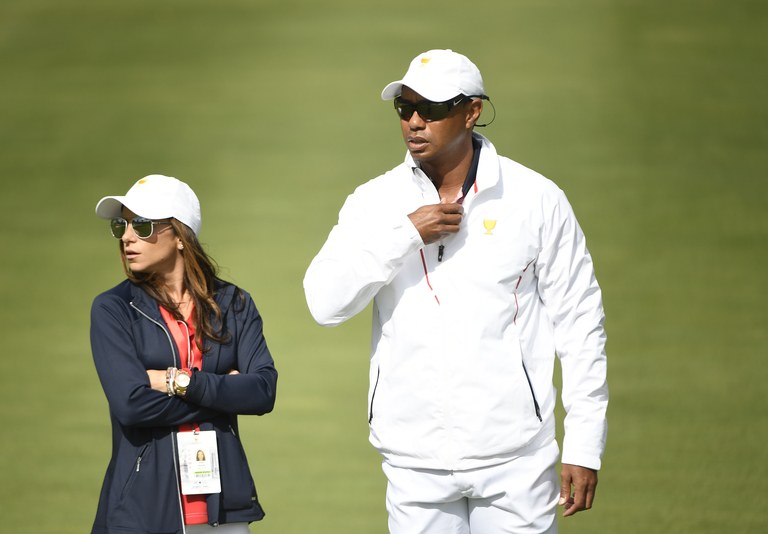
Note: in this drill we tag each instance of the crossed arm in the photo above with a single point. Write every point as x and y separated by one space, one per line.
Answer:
157 378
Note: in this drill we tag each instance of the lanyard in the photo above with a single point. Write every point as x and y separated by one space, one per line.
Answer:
175 326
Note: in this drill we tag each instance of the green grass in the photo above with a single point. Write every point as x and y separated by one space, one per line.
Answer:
651 115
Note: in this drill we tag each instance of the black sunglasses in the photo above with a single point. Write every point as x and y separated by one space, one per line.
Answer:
142 227
427 110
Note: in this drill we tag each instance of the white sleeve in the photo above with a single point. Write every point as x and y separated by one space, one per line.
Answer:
363 252
573 301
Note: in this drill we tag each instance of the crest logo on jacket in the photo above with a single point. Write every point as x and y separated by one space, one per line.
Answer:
489 225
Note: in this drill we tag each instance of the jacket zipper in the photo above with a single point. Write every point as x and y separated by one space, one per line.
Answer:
533 394
174 454
178 482
140 457
373 395
163 328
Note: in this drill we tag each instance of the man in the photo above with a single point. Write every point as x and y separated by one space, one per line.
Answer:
479 275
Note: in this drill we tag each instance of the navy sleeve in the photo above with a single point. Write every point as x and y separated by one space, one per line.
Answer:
123 376
251 392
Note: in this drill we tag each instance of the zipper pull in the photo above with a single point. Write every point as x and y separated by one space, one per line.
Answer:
138 464
440 250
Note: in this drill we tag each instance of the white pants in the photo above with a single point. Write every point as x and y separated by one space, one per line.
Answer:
518 496
229 528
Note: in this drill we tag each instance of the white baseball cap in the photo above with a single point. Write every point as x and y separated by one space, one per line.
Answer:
156 197
439 75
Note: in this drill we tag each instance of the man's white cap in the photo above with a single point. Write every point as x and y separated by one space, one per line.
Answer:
156 197
439 75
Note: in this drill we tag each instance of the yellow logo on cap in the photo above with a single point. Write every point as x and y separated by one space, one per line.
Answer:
141 181
425 60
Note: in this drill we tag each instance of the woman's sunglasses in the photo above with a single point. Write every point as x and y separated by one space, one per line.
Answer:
142 227
427 110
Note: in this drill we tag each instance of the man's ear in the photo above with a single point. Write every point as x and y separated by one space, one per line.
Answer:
473 112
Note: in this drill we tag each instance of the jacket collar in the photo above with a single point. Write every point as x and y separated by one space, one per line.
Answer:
224 297
144 302
488 171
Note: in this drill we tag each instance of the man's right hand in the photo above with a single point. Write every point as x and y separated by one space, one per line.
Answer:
435 221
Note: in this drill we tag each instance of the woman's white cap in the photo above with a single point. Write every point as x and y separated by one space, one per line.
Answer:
439 75
156 197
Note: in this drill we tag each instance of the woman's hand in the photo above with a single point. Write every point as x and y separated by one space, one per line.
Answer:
157 380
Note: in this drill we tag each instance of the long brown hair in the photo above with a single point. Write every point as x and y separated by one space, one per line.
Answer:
200 276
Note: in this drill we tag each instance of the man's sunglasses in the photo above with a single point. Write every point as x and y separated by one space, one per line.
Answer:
142 227
427 110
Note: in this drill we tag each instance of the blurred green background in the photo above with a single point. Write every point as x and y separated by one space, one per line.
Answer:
650 114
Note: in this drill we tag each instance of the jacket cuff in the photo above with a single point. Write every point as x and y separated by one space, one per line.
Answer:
581 459
196 387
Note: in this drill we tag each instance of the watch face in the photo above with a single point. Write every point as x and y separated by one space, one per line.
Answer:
182 380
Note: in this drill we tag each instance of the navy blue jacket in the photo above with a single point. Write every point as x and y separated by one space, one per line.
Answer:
128 336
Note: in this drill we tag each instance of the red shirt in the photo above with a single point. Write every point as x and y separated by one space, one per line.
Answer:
194 506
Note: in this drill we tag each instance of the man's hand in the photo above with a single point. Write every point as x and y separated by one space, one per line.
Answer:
583 481
437 220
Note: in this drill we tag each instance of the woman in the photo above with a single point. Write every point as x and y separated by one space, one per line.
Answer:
179 354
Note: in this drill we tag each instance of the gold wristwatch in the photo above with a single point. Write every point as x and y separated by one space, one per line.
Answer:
181 382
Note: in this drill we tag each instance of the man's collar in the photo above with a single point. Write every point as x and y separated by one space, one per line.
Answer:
413 164
488 167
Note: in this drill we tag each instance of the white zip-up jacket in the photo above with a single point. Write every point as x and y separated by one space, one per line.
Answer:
462 349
